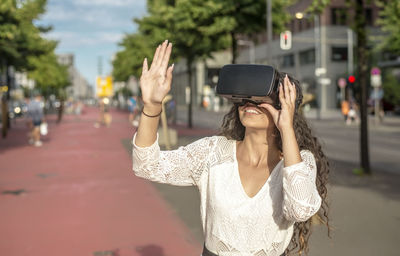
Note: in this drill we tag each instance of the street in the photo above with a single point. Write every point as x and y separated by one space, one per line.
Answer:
77 195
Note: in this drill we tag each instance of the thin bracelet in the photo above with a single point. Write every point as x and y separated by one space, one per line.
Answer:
150 115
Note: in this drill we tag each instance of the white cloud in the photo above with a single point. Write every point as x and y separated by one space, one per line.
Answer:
117 3
91 18
58 13
70 39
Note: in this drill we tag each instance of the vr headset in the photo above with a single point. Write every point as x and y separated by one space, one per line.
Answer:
249 83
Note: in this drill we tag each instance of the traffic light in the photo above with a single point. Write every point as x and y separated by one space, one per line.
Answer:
286 40
352 79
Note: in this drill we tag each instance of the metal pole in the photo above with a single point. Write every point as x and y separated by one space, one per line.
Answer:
164 123
342 93
322 55
317 62
252 53
350 56
269 31
376 103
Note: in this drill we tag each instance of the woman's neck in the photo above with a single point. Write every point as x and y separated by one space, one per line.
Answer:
258 147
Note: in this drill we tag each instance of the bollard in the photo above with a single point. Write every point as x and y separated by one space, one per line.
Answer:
164 122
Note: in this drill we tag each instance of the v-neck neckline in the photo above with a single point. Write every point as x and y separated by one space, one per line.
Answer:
239 180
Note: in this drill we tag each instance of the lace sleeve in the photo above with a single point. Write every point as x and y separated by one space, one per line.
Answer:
300 195
182 167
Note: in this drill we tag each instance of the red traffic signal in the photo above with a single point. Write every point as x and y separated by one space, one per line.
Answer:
286 40
352 79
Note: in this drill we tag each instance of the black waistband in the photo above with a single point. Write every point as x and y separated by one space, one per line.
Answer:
206 252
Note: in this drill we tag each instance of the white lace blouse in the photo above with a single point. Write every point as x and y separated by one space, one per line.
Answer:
233 223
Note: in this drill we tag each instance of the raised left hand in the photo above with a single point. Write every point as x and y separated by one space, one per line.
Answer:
283 118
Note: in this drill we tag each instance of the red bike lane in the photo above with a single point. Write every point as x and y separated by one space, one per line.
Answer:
77 195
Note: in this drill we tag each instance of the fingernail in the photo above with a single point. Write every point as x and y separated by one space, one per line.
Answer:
166 41
173 64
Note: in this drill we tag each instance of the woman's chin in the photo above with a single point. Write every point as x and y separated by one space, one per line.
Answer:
255 124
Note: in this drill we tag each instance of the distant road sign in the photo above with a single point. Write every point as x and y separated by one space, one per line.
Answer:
376 80
104 86
320 71
324 81
286 40
375 71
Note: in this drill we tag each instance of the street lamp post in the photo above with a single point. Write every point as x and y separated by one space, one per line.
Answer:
250 44
317 37
320 70
350 55
269 30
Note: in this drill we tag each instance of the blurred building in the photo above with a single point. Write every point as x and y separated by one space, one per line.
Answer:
321 53
79 88
22 80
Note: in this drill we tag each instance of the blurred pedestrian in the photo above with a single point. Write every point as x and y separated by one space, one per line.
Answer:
352 114
105 117
78 106
260 182
133 110
345 109
36 116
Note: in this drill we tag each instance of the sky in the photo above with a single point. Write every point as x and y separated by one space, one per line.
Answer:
91 29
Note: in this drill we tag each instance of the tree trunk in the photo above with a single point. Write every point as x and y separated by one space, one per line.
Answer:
234 48
4 116
190 109
362 70
5 119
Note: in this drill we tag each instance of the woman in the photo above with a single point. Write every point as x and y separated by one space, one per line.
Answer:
260 181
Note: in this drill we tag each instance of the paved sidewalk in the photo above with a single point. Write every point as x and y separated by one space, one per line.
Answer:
77 195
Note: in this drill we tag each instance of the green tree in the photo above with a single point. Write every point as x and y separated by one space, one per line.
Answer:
129 60
249 18
50 77
362 54
194 27
9 24
152 29
391 87
8 31
19 38
389 20
197 31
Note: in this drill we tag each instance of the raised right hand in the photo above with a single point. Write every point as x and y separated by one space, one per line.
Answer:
155 82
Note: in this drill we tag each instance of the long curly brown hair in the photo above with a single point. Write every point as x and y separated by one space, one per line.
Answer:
232 128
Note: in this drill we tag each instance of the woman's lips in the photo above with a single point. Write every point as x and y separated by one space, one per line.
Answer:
252 110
